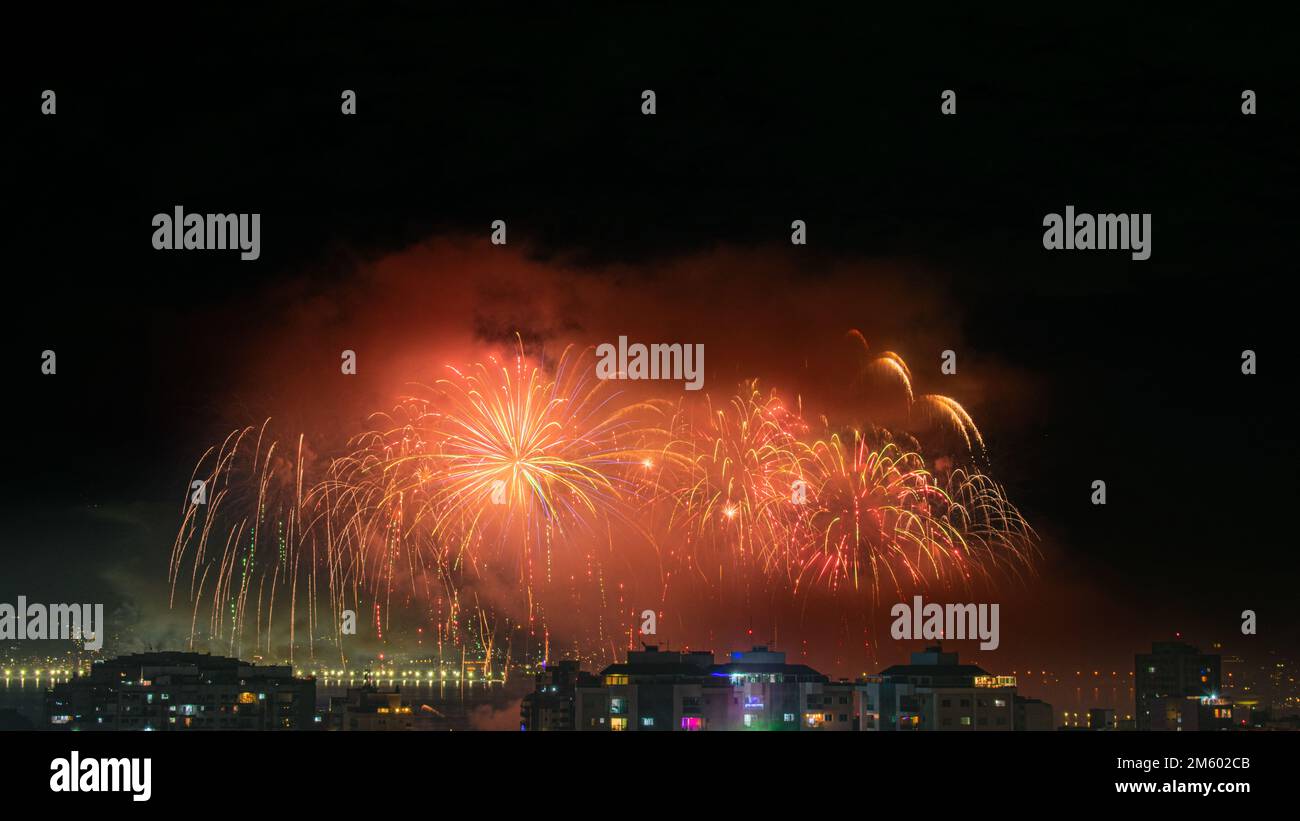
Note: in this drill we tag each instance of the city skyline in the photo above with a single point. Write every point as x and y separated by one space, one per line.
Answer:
402 395
1263 690
879 258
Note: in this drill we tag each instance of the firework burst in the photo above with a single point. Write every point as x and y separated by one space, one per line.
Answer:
501 464
878 515
557 493
742 461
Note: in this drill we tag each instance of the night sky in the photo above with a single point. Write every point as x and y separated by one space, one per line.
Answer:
925 232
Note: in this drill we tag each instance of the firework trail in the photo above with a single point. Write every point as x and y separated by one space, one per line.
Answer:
241 528
733 500
497 469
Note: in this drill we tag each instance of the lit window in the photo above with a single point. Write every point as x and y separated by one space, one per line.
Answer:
692 723
749 720
618 723
647 721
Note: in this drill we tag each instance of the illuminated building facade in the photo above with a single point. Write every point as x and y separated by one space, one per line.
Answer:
183 691
757 690
935 692
652 691
768 694
686 691
1195 713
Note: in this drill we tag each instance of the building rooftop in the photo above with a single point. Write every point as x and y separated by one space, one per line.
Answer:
177 663
933 663
801 671
760 661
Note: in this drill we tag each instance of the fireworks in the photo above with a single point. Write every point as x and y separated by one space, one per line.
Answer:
552 451
742 466
498 464
514 493
877 514
839 512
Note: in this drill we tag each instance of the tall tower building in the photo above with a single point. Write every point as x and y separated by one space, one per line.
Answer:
1172 669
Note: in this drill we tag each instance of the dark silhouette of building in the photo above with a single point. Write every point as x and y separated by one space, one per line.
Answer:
13 720
367 708
1102 718
1172 670
183 691
1034 714
551 704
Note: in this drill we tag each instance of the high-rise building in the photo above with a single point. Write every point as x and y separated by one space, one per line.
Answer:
551 704
755 689
653 690
936 692
766 693
1172 669
758 690
183 691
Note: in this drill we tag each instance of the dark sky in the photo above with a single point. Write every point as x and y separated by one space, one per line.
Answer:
924 230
